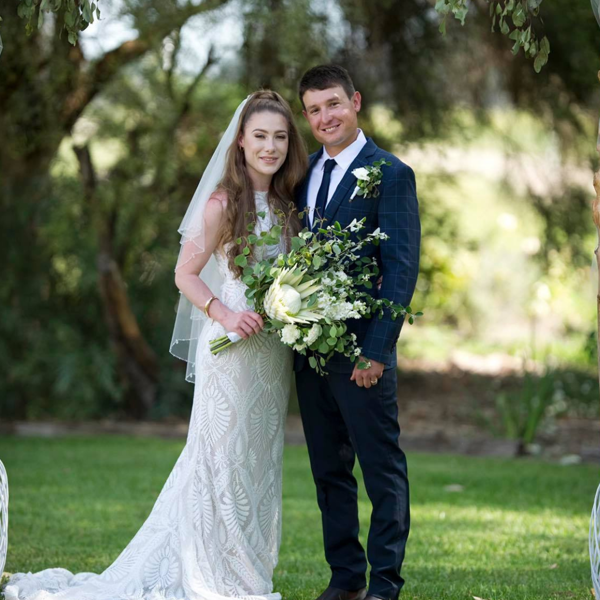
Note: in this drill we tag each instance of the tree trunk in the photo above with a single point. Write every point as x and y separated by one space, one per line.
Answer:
137 362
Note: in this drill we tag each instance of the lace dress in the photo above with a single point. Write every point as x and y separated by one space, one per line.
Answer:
215 529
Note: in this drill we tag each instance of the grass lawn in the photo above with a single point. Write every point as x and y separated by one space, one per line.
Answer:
518 530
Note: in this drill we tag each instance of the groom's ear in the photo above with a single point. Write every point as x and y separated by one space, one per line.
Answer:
357 101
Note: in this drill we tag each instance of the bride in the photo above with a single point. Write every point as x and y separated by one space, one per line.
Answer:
215 529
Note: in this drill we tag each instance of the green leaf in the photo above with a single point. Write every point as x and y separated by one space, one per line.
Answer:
518 16
87 13
331 341
539 62
252 239
323 348
262 214
69 19
250 227
248 280
545 46
241 260
312 361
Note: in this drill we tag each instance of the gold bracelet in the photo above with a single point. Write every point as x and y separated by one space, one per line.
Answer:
207 305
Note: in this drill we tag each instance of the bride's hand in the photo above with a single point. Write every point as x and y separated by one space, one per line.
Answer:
245 323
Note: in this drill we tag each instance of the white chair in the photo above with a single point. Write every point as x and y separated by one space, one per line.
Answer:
595 543
3 517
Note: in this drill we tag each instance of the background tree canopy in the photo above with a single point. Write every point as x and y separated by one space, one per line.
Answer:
105 138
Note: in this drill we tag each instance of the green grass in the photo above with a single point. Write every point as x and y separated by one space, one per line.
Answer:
75 503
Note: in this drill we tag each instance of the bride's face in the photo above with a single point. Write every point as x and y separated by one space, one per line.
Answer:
265 143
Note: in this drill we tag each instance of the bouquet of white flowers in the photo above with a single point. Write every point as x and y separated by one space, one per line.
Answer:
306 295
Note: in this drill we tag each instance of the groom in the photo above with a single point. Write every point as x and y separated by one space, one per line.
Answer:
351 412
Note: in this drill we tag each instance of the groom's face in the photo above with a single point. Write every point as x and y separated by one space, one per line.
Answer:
333 117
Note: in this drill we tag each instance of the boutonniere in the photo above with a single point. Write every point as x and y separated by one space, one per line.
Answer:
368 178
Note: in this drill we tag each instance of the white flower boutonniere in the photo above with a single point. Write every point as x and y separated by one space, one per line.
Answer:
367 179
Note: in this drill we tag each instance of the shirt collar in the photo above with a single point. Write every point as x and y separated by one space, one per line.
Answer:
346 157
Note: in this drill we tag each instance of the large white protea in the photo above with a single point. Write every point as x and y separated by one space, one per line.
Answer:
3 517
287 299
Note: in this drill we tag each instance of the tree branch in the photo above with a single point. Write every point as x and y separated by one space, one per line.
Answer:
104 69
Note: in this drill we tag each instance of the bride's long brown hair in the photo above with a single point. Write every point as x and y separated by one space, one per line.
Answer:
237 185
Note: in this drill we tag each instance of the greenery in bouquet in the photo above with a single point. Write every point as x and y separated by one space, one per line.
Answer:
307 294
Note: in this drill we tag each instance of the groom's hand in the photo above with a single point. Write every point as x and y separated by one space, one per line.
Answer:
367 377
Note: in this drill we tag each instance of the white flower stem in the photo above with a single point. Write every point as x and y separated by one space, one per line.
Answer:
223 342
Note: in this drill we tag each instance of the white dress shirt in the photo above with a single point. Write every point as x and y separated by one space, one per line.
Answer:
343 161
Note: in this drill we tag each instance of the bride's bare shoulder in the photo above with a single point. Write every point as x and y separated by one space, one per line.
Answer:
215 207
218 197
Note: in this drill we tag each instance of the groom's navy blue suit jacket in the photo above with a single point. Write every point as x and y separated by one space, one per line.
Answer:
396 212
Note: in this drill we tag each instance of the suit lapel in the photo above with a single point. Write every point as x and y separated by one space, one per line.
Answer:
303 195
348 183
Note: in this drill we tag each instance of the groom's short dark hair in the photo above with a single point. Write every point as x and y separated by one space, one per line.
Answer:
322 77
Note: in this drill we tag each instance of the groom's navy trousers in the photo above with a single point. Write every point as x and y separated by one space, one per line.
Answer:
341 422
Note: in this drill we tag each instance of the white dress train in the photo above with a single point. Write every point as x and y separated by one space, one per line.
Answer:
215 530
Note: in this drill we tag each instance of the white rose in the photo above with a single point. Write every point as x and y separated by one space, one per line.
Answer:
290 333
362 174
313 334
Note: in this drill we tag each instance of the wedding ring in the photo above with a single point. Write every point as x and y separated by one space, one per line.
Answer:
374 381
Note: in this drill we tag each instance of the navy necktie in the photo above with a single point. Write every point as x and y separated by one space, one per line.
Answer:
323 192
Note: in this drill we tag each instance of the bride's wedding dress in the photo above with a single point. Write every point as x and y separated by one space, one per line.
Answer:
215 529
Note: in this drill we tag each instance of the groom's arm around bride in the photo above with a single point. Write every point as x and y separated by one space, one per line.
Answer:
351 413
